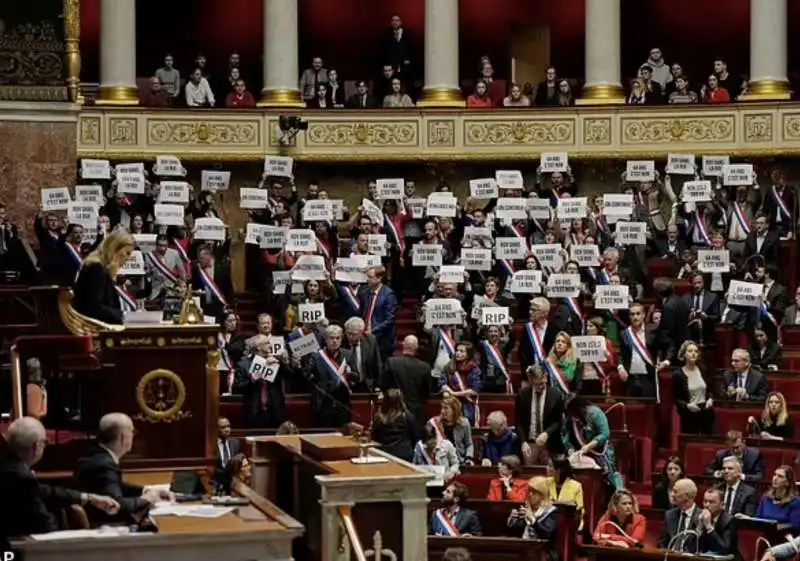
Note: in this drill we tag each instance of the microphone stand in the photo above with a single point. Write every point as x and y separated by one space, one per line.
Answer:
683 543
620 405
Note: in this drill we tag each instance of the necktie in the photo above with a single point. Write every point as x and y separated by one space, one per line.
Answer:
742 380
729 499
697 305
682 526
537 413
226 453
371 309
2 238
363 101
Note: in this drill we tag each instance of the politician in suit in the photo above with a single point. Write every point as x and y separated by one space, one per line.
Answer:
638 356
395 49
738 497
164 267
213 276
99 472
412 376
332 375
704 313
72 250
96 294
26 505
539 409
780 203
260 382
681 519
671 245
716 527
743 382
750 458
538 329
454 519
763 242
379 304
673 329
227 448
366 355
569 318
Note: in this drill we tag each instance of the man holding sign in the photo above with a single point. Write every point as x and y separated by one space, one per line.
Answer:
332 373
259 379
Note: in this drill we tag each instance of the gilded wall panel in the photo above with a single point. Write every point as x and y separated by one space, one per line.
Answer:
122 131
89 131
526 131
791 127
676 130
372 134
758 128
177 133
597 131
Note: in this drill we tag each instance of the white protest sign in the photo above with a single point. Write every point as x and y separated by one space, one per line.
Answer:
211 228
366 261
134 265
508 179
747 294
308 312
90 233
338 208
133 169
483 188
391 189
439 205
215 180
95 169
309 267
55 198
548 255
611 297
416 207
427 255
145 242
443 311
571 208
632 233
301 240
251 198
305 345
585 255
617 204
478 233
589 348
563 285
697 191
176 192
258 368
526 282
640 170
318 210
451 274
681 164
553 161
278 166
168 166
511 208
370 209
511 248
538 208
89 194
714 261
130 183
495 315
377 244
281 279
713 165
737 174
168 215
273 237
82 213
278 344
476 259
350 270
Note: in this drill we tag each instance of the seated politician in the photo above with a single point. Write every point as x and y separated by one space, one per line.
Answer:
716 527
750 458
99 472
454 519
680 519
509 486
781 502
96 292
538 517
238 470
26 505
621 525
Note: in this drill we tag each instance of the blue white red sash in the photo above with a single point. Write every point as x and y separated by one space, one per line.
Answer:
508 266
443 525
225 359
181 252
518 233
766 314
639 347
351 295
604 277
462 387
782 206
599 221
424 456
339 373
536 342
372 301
392 229
211 286
701 232
572 304
447 342
557 377
497 361
599 367
74 255
295 334
323 248
741 218
438 427
127 301
156 262
582 440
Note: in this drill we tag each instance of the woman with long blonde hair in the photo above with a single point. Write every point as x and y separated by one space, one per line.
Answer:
538 516
97 294
775 422
563 367
621 525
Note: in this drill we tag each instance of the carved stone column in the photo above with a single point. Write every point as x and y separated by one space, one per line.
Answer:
118 53
72 40
441 55
415 528
281 46
768 51
603 58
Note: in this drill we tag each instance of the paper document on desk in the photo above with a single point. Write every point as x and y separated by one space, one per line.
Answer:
104 532
438 472
191 511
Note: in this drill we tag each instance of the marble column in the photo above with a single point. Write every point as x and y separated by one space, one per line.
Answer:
415 528
281 46
768 51
603 58
118 53
441 55
335 544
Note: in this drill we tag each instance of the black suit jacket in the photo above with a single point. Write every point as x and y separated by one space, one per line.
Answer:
567 320
220 478
626 351
722 540
752 463
769 249
25 503
541 98
95 295
709 305
777 300
670 530
552 415
370 368
397 53
526 355
412 377
745 500
98 473
354 102
663 250
772 355
756 386
770 207
673 330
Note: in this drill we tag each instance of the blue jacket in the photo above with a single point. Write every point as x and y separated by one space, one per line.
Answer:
495 447
383 315
788 513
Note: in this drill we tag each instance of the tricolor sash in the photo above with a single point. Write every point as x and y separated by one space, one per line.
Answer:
766 314
518 233
536 341
572 304
295 334
351 295
599 368
557 377
447 342
462 387
783 208
181 252
443 525
582 440
740 217
211 286
323 248
224 358
592 273
438 427
339 372
127 301
508 266
701 232
74 254
496 358
372 301
604 277
424 456
639 347
157 263
392 229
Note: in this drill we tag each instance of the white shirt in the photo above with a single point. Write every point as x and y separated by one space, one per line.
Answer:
224 446
638 365
200 94
760 241
733 488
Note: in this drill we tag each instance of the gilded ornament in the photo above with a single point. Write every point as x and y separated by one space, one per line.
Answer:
165 132
212 342
161 395
90 130
369 133
791 126
758 127
504 133
109 343
161 342
122 131
681 129
441 133
212 359
597 131
32 56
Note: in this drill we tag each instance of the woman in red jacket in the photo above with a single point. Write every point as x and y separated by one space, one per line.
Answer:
509 486
621 525
712 93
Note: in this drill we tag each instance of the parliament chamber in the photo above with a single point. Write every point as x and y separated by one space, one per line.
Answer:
367 291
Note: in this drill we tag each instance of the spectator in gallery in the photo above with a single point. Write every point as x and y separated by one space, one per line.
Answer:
320 100
681 94
169 76
781 502
564 97
775 423
155 95
548 90
240 98
639 93
362 99
312 78
234 74
750 458
712 93
397 98
652 86
395 48
675 70
480 99
515 98
726 80
335 90
662 498
198 92
658 68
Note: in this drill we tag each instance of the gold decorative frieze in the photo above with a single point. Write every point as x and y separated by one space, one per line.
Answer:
616 132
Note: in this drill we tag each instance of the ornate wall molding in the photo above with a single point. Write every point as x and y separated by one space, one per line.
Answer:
443 135
39 112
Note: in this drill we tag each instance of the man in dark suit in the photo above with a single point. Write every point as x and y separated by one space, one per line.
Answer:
366 355
538 332
780 204
26 504
776 300
99 472
673 329
396 49
671 245
227 448
380 308
332 375
454 519
638 362
750 458
715 526
213 276
703 310
737 497
411 376
568 317
363 99
763 241
681 519
742 382
539 408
